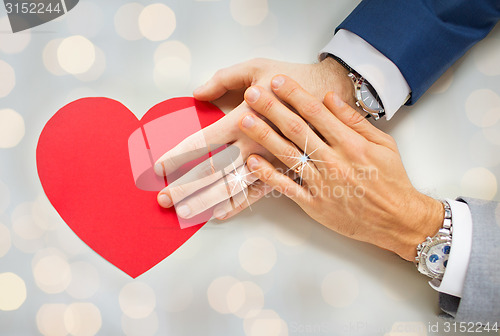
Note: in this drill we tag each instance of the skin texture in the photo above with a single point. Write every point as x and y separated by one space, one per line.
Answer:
353 182
221 193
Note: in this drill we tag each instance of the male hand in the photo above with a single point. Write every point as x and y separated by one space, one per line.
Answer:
232 186
353 182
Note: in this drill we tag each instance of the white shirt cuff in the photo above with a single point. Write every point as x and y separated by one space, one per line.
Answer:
461 245
370 63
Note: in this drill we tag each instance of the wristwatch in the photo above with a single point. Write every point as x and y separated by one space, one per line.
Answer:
365 95
433 253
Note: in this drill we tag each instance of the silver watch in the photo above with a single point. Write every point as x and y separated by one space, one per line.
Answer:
365 95
433 253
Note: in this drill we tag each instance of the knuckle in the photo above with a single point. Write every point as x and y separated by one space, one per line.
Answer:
264 134
288 95
266 175
355 119
218 75
170 162
268 106
258 62
289 153
312 108
177 193
206 169
195 142
295 127
230 184
392 142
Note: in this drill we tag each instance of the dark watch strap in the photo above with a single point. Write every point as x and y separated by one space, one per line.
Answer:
344 64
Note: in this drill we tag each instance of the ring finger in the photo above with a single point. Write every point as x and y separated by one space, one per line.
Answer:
283 149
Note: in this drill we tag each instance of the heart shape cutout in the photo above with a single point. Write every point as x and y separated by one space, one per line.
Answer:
90 171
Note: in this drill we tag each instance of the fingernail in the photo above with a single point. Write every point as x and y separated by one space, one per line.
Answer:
252 95
159 169
164 200
183 211
253 163
337 101
277 82
248 122
220 213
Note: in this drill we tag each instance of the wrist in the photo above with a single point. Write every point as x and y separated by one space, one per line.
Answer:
335 78
423 218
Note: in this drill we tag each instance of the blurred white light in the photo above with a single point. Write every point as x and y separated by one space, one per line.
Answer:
82 319
76 54
486 56
8 78
175 49
49 57
257 256
127 21
51 272
217 293
11 128
23 222
12 43
249 12
97 68
483 107
50 319
84 280
172 75
44 214
5 240
340 288
137 300
245 299
157 22
266 323
480 183
147 326
12 291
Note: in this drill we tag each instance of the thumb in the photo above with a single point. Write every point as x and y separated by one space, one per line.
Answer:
236 77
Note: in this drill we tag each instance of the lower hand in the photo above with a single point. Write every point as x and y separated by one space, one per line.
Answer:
353 182
203 188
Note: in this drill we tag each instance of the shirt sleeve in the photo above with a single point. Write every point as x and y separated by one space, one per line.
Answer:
461 245
377 69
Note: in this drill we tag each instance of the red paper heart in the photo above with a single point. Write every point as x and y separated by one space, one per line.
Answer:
85 169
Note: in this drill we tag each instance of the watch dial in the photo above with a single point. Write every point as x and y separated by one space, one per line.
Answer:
437 258
370 97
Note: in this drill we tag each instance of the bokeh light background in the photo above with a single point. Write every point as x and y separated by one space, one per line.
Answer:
264 273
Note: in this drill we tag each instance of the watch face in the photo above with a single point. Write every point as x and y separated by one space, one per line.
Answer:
369 97
437 258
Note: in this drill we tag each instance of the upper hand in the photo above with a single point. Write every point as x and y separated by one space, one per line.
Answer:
189 194
353 182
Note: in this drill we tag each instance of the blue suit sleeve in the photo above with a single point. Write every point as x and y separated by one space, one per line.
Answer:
423 37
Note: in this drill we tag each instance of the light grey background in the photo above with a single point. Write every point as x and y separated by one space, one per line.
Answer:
270 271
